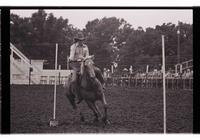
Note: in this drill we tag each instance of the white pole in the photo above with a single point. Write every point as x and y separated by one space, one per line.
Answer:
176 68
181 68
164 88
54 107
112 69
67 62
147 69
131 69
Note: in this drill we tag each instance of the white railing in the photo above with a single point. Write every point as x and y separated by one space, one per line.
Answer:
19 53
50 80
171 83
43 78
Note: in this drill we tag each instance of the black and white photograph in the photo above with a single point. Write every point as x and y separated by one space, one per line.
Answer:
101 71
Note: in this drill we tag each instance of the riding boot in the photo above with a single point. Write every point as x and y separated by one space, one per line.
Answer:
79 96
74 88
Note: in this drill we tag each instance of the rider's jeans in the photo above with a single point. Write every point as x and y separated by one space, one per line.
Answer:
76 67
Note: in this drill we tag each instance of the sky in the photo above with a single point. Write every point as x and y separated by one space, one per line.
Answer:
143 17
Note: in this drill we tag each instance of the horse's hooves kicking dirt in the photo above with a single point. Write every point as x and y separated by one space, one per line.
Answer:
106 121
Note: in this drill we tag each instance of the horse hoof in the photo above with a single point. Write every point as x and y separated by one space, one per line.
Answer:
106 121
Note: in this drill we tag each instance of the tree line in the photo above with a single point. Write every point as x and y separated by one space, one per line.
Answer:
110 39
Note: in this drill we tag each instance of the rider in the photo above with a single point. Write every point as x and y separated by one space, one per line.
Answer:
79 51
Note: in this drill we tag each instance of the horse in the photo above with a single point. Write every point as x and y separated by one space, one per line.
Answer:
90 89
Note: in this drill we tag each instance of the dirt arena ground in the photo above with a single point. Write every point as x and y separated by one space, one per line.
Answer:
130 111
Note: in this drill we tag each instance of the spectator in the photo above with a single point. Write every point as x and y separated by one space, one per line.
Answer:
191 74
105 73
187 74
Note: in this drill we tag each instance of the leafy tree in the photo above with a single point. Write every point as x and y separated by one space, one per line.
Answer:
37 35
105 37
110 39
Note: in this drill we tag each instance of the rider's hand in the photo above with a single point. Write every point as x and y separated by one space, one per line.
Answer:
92 56
79 60
81 57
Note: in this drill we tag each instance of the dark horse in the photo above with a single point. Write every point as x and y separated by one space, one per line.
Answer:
90 89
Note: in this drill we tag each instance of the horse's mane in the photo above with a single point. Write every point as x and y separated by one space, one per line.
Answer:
85 80
83 76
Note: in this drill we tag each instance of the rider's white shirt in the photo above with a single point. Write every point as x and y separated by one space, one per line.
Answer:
77 52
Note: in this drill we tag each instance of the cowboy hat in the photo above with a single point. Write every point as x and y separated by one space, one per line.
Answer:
79 37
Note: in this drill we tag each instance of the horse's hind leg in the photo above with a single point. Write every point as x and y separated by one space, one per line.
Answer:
96 107
105 105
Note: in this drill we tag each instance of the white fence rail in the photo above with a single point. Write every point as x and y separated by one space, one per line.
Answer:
171 83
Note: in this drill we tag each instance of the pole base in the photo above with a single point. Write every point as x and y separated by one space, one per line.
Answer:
53 123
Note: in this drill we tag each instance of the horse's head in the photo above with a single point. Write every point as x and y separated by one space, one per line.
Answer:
88 66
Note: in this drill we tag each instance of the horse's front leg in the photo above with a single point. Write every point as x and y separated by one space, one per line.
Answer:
91 105
105 105
71 98
82 118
